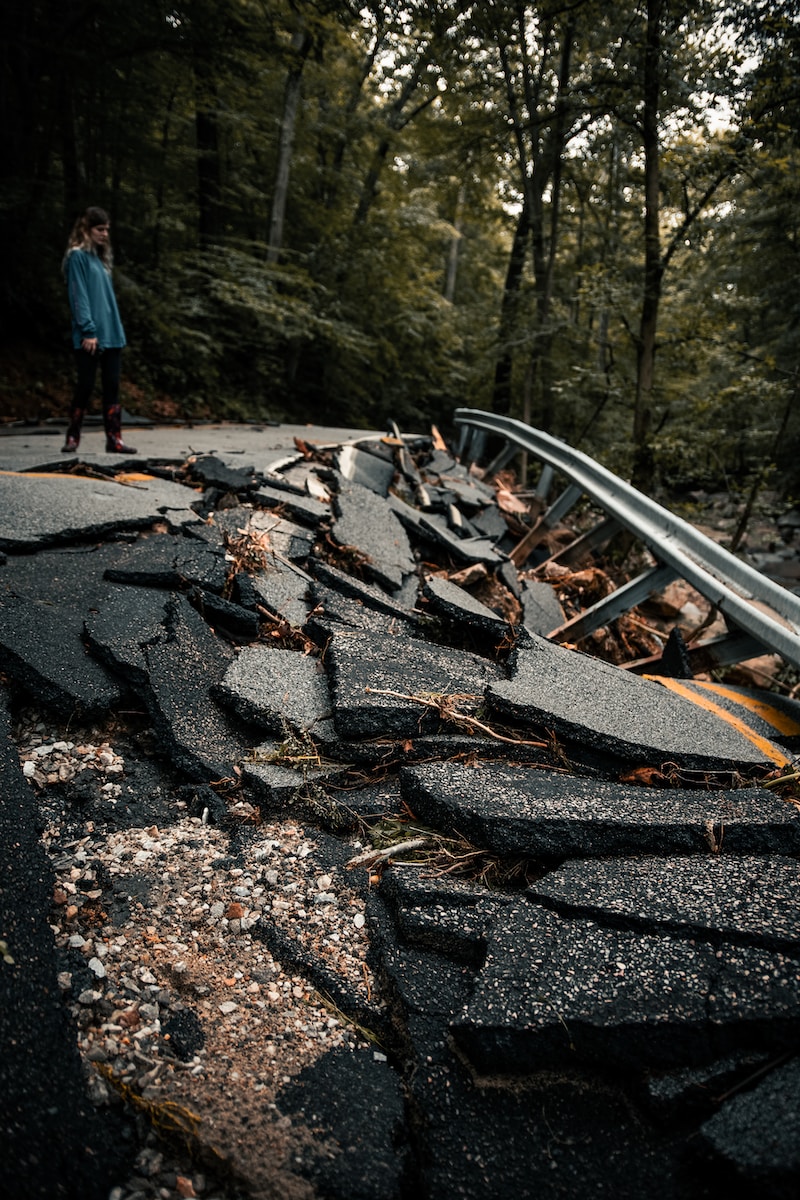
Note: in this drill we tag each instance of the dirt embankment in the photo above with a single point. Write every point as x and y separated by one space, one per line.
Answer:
36 387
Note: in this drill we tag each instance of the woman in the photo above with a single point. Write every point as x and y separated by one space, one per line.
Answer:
97 333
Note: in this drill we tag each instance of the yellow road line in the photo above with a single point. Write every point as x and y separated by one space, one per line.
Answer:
122 477
779 720
762 744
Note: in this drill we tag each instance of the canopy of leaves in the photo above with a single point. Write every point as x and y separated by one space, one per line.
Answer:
349 212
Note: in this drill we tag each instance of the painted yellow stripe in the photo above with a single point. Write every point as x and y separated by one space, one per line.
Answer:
40 474
762 744
779 720
122 477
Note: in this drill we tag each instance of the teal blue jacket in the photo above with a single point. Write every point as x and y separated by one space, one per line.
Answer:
92 300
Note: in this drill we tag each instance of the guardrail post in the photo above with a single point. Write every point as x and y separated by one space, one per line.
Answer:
613 606
753 603
501 459
568 498
594 539
476 447
545 482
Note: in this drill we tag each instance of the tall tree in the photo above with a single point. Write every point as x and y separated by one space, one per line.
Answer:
665 27
653 265
300 46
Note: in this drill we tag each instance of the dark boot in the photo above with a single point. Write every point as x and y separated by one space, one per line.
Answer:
112 419
73 430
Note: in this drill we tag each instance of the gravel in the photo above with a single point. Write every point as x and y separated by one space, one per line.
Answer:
173 994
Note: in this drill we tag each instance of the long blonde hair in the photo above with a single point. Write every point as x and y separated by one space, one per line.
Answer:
79 238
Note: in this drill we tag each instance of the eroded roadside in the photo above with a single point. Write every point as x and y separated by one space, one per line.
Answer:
536 978
181 1012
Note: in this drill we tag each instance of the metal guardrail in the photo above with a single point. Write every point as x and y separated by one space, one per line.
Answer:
761 615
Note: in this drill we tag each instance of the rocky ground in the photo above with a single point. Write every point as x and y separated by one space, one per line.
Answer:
175 1001
265 1001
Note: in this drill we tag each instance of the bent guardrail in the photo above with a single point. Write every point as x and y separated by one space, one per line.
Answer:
765 615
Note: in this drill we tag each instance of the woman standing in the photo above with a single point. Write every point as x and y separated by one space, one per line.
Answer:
97 333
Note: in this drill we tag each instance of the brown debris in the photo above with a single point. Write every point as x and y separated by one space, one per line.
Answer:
508 502
468 577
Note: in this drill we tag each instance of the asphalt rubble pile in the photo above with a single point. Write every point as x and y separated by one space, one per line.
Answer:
326 874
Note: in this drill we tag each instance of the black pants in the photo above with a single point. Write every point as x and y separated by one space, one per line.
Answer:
110 362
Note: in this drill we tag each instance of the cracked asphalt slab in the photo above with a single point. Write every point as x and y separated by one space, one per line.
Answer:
549 815
237 677
551 685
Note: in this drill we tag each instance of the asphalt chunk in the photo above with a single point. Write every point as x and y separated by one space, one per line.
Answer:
44 654
536 813
182 668
281 690
541 609
374 681
555 990
366 524
743 898
636 720
45 1097
757 1134
38 511
455 603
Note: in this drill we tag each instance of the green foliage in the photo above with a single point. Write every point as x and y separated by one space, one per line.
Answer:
220 326
419 130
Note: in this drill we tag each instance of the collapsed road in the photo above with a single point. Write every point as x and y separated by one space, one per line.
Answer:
325 873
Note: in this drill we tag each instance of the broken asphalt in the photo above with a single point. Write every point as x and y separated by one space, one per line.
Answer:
609 1004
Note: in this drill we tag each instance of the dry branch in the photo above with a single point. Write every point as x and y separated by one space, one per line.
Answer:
442 704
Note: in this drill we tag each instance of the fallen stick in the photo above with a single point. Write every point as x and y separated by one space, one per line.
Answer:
370 857
450 714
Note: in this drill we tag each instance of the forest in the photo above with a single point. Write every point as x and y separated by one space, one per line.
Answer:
581 214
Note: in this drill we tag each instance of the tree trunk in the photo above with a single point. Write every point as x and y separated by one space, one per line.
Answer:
161 179
370 189
209 174
455 247
351 107
397 118
501 393
653 264
74 173
301 45
545 245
